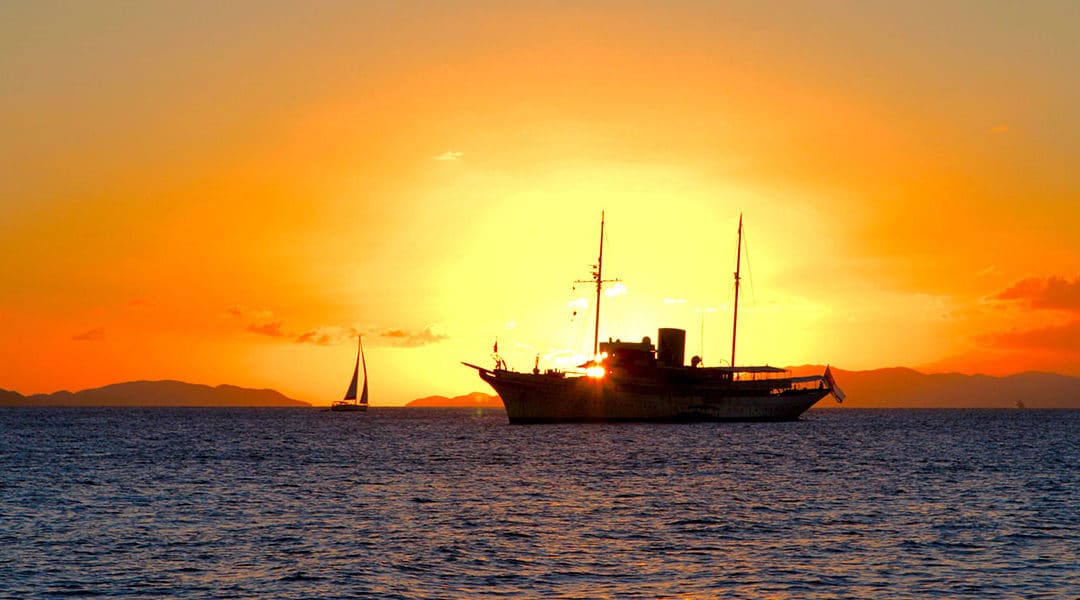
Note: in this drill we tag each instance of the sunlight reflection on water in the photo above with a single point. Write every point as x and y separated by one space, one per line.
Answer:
433 503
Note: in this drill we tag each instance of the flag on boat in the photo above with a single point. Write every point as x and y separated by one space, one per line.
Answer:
836 391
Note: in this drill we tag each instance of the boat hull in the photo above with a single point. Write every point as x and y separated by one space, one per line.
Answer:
347 407
546 399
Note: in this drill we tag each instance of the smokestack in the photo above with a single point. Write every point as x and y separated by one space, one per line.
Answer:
672 347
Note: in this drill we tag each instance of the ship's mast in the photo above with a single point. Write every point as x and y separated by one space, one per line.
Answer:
599 284
598 279
738 264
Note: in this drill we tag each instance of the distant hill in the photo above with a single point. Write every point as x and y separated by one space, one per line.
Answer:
897 387
900 387
473 400
155 393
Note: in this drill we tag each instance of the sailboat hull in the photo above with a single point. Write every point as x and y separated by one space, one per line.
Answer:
348 407
548 399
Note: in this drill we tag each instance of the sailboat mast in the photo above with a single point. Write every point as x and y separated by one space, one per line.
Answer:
360 356
738 264
363 395
599 285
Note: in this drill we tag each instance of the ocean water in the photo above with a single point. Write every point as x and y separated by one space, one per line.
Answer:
446 503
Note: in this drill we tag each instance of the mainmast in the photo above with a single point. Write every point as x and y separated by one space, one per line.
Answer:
598 279
738 263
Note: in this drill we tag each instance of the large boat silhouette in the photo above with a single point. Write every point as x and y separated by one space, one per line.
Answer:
637 381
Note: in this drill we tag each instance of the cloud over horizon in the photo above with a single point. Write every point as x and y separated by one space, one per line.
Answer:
271 329
94 335
1056 338
432 334
265 322
1051 293
327 336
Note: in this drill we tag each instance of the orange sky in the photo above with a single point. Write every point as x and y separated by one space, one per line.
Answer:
224 193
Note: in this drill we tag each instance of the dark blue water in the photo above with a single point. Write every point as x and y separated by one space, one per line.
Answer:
410 503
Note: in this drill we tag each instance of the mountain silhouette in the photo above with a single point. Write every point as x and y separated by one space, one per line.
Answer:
898 387
155 393
473 400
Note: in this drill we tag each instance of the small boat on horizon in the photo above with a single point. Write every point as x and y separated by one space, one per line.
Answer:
351 403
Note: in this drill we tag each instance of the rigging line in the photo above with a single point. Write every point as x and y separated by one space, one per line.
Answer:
749 269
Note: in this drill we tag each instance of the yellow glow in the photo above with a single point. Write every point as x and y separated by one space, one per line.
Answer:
596 371
437 184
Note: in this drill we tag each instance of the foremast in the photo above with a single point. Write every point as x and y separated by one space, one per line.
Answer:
738 264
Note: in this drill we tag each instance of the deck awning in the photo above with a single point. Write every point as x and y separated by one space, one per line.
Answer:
757 369
807 379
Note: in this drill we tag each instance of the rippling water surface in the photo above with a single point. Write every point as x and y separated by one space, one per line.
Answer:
413 503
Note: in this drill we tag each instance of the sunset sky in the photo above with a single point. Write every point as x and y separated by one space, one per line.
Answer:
226 192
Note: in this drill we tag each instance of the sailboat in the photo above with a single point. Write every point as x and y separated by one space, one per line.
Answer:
350 403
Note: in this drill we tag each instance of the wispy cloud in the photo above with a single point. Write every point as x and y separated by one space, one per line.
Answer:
616 290
328 336
449 155
272 328
264 322
1058 338
247 313
432 334
94 335
258 320
1051 293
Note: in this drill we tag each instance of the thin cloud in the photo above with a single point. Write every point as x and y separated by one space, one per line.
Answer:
1052 293
616 290
263 322
1058 338
999 129
451 155
327 336
235 312
272 329
258 320
431 334
94 335
239 311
